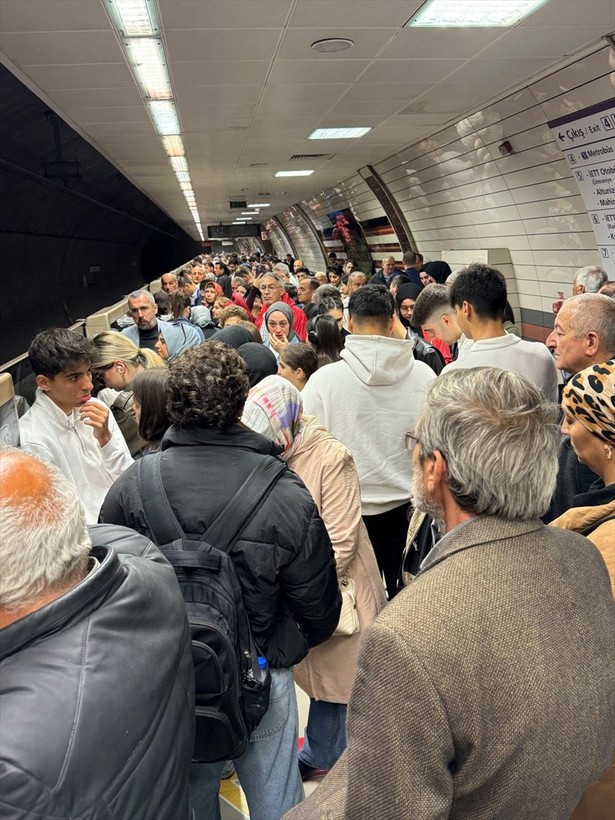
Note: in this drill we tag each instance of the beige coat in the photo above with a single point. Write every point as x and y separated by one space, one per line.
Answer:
486 689
328 470
603 536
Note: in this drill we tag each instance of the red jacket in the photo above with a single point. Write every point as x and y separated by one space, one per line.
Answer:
299 317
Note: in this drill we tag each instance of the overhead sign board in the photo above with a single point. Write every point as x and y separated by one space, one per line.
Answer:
237 203
587 140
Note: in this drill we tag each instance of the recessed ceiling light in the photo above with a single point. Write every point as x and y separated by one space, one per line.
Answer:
478 13
249 213
293 173
239 222
339 133
259 205
332 44
165 118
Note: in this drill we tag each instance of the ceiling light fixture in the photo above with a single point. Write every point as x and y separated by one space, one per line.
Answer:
293 173
165 118
259 205
136 23
174 146
331 45
179 164
339 133
146 57
134 18
477 13
249 213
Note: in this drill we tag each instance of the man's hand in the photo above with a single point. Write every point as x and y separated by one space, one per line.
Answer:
96 416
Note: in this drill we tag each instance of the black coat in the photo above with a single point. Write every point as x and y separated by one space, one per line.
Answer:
284 557
97 694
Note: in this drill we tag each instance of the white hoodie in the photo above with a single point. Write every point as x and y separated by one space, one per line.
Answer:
369 401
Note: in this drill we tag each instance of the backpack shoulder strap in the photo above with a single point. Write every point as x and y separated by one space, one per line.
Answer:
159 515
230 523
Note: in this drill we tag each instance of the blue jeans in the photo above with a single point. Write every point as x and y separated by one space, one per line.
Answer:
325 734
267 771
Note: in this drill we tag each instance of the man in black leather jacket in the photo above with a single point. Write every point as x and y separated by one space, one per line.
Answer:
283 558
96 673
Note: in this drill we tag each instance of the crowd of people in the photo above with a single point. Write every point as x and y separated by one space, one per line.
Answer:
478 677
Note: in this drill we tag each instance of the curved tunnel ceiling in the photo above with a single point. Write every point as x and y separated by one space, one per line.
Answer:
249 88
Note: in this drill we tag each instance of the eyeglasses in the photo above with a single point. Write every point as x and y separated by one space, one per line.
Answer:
411 440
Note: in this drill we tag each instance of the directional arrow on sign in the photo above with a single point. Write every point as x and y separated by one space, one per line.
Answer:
561 136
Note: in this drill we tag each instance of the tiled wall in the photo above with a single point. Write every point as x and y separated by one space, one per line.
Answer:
278 239
302 236
458 194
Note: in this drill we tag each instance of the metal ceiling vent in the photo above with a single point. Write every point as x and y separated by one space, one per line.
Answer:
311 156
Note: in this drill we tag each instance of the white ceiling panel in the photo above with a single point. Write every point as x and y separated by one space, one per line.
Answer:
218 72
249 88
221 14
505 71
428 43
82 98
219 45
53 15
546 41
61 48
409 71
357 13
218 94
308 93
574 13
299 72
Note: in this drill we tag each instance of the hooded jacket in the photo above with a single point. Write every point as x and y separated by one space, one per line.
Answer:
283 558
369 401
97 694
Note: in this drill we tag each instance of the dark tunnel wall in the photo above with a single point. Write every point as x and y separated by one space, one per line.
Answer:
68 247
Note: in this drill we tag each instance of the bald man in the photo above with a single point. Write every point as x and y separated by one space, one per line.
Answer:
95 664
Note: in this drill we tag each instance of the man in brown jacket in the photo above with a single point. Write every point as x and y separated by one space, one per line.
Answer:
486 689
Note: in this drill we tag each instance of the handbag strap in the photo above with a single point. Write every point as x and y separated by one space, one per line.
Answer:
229 524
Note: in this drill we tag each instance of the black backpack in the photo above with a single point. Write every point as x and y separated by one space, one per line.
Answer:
231 689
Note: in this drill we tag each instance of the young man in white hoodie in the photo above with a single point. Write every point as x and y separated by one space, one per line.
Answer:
370 401
67 427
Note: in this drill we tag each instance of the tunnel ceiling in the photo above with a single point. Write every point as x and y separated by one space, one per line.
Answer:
249 87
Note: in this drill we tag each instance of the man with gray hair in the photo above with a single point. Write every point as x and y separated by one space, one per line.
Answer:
271 287
96 674
589 280
487 687
583 335
147 327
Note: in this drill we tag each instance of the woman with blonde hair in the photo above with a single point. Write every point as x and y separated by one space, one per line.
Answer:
274 408
117 360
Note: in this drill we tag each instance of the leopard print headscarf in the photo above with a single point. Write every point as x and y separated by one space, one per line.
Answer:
590 397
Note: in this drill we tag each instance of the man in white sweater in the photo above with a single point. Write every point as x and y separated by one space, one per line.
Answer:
478 296
66 426
370 400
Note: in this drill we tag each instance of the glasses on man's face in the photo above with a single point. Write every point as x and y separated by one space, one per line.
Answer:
411 440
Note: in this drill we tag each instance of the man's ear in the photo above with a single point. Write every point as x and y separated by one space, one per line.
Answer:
155 308
42 382
467 310
435 471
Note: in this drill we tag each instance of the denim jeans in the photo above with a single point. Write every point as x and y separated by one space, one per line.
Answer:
267 771
325 734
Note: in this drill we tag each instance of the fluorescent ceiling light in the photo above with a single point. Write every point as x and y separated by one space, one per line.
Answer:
146 57
478 13
165 117
240 222
259 205
249 213
179 163
134 18
182 176
174 146
339 133
293 173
